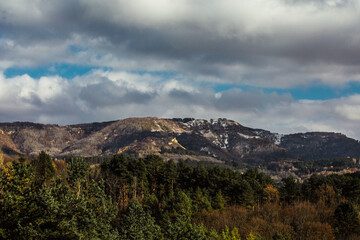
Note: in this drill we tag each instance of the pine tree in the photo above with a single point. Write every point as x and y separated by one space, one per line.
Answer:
347 220
219 201
137 224
30 210
44 167
291 189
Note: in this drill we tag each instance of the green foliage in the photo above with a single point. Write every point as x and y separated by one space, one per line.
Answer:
181 228
78 170
147 198
16 195
219 201
254 236
201 200
151 204
279 236
183 204
44 167
137 224
30 210
226 234
291 190
313 166
347 220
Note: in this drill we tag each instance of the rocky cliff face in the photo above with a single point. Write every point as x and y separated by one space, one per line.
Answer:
220 139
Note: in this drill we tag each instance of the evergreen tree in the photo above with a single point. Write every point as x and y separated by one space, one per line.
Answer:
291 189
30 210
78 170
44 167
181 228
16 200
137 224
347 220
219 201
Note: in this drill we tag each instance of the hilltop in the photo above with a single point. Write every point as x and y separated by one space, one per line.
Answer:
197 139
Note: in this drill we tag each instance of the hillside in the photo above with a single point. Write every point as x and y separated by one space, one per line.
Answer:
219 139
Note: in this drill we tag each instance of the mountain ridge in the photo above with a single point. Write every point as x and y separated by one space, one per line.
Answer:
220 139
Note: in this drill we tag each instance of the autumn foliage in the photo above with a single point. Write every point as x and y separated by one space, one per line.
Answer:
147 198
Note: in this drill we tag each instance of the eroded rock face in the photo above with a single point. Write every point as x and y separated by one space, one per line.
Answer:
220 138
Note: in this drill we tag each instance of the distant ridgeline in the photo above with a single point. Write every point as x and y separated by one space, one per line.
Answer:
216 140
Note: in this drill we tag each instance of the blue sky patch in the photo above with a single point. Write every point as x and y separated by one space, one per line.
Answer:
315 92
76 49
162 74
64 70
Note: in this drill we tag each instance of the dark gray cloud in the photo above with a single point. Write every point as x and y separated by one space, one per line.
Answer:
253 100
252 37
231 100
106 93
275 44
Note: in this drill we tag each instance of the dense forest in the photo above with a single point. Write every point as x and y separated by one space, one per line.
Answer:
146 198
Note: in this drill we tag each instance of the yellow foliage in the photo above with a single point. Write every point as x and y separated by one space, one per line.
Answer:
326 194
1 159
121 150
233 235
252 236
271 193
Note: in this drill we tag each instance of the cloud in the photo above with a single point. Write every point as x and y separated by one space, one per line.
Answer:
106 93
161 56
261 43
58 100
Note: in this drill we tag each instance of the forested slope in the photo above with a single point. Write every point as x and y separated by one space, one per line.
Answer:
147 198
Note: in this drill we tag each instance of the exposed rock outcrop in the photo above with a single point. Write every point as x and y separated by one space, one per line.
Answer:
220 139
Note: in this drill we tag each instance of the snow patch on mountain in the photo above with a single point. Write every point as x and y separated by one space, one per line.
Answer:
247 136
278 138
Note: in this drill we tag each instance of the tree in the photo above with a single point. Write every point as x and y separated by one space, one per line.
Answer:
44 167
1 159
201 200
137 224
183 205
16 184
154 165
291 189
347 220
317 231
170 175
241 193
271 194
30 210
253 236
326 195
181 228
226 234
78 170
219 201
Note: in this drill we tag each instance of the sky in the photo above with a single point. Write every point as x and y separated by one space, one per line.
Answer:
282 65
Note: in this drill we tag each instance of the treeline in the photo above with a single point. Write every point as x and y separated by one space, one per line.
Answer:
146 198
335 164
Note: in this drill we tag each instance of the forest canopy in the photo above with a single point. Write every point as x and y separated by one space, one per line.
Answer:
148 198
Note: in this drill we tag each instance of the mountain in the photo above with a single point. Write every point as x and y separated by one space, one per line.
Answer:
219 139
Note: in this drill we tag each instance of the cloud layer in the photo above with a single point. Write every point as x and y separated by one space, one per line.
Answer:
101 96
163 57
